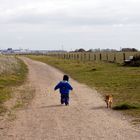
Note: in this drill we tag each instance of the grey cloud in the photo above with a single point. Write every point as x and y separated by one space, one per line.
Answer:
62 19
79 15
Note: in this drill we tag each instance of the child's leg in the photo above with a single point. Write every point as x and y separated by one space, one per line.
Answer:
62 99
67 99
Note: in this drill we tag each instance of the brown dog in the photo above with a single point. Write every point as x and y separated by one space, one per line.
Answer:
109 100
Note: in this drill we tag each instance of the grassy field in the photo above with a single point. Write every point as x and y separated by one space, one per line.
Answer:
108 78
12 73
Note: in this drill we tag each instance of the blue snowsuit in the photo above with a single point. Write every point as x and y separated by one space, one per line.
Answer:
64 88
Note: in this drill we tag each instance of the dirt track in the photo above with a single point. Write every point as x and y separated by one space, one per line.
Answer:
86 118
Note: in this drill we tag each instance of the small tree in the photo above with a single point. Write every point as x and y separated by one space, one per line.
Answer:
129 50
80 50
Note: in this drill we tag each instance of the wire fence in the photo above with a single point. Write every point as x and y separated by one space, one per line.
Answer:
115 57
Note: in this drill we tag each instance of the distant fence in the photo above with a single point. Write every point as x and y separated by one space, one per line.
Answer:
115 57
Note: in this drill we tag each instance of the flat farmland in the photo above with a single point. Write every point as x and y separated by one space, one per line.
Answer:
108 78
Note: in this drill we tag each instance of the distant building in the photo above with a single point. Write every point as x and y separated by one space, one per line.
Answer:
9 49
129 50
80 50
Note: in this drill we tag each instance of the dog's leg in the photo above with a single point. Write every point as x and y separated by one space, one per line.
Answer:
107 104
110 105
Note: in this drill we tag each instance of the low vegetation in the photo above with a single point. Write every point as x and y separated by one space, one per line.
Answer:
134 62
12 73
108 78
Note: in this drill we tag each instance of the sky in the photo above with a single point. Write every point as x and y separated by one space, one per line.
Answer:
69 24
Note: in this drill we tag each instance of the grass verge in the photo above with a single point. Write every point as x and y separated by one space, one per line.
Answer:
10 79
108 78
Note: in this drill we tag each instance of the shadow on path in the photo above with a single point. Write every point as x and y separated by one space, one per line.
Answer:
98 107
51 106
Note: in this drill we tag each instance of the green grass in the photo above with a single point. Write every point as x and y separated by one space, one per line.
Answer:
108 78
8 80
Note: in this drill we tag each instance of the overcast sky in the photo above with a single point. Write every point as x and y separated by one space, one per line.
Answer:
69 24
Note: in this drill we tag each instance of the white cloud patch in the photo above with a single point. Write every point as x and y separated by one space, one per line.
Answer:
70 11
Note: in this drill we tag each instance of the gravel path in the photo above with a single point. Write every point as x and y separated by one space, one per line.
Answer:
86 118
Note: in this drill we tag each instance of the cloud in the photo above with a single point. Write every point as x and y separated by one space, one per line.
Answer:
73 21
70 12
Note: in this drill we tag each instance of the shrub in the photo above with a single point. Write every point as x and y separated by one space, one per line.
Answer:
135 62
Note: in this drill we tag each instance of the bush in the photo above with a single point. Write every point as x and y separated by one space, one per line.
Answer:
135 62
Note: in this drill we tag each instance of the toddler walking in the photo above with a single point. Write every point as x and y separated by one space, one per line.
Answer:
64 88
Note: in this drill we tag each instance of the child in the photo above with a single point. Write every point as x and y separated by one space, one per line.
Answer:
64 88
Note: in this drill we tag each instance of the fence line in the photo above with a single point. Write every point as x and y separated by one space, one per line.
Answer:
115 57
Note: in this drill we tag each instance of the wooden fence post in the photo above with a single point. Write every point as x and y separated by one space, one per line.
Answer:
107 56
77 56
123 56
84 56
114 57
81 56
70 56
89 57
95 56
100 56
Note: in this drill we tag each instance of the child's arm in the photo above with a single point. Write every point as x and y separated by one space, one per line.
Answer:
57 86
70 87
